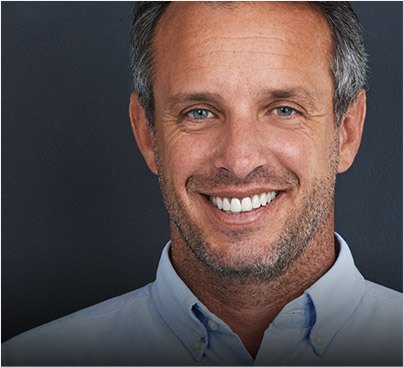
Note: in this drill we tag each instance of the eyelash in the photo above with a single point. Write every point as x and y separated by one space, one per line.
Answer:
210 114
292 110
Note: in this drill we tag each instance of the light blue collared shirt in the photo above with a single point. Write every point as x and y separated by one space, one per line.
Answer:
342 319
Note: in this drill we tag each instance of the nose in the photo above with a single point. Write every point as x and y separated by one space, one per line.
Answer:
241 150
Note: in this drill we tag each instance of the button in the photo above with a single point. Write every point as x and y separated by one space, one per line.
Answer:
197 344
213 325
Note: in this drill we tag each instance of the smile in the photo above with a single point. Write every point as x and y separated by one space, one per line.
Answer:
246 204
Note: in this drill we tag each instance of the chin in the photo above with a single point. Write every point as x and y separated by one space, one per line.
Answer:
245 259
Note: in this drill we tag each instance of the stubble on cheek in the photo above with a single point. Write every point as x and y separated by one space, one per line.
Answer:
242 258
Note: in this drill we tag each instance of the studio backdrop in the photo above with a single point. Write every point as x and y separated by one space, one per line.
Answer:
82 217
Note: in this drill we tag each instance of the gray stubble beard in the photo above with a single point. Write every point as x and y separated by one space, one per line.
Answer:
299 230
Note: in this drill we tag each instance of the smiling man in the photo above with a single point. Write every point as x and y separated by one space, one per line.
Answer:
246 112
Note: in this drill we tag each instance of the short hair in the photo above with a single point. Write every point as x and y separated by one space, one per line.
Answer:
348 63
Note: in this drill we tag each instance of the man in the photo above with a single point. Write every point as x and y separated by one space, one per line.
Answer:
246 112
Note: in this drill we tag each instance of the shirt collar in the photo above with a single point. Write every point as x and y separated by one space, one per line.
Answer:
335 296
330 302
175 303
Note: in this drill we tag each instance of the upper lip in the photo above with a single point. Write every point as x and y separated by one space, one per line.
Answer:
236 193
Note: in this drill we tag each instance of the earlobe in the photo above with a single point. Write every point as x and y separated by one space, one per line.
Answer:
350 132
142 131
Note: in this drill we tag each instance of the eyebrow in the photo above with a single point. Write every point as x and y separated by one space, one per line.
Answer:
293 92
182 97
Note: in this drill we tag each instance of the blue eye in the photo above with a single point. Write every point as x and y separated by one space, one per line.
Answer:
284 111
200 114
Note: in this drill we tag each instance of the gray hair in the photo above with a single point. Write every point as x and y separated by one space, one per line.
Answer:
348 64
349 61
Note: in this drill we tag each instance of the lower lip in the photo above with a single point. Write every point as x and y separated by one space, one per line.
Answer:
243 218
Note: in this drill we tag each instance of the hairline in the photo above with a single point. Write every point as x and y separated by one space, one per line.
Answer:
233 5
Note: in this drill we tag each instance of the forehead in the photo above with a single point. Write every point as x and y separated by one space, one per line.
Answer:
199 40
186 22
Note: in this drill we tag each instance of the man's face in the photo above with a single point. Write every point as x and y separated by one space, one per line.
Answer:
243 116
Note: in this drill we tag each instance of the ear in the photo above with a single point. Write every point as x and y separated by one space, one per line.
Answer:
350 131
142 131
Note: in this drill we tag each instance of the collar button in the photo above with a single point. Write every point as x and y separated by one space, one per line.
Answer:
213 325
197 344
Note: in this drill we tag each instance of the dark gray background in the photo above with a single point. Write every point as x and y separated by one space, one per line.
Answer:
82 218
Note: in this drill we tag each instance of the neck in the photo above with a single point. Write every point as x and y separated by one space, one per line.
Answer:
249 306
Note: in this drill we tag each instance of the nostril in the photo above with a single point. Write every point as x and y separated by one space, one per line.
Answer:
240 150
239 166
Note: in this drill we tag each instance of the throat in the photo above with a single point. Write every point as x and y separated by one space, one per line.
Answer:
248 306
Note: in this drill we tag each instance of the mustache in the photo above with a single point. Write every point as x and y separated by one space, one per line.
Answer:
261 176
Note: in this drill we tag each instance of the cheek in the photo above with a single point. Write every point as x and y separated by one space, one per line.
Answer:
185 155
299 153
290 149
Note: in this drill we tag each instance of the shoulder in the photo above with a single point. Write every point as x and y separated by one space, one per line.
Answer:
372 332
375 327
382 302
94 333
382 295
380 311
111 310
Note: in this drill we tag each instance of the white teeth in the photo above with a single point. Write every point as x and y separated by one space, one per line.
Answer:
235 205
263 199
255 202
246 204
270 196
